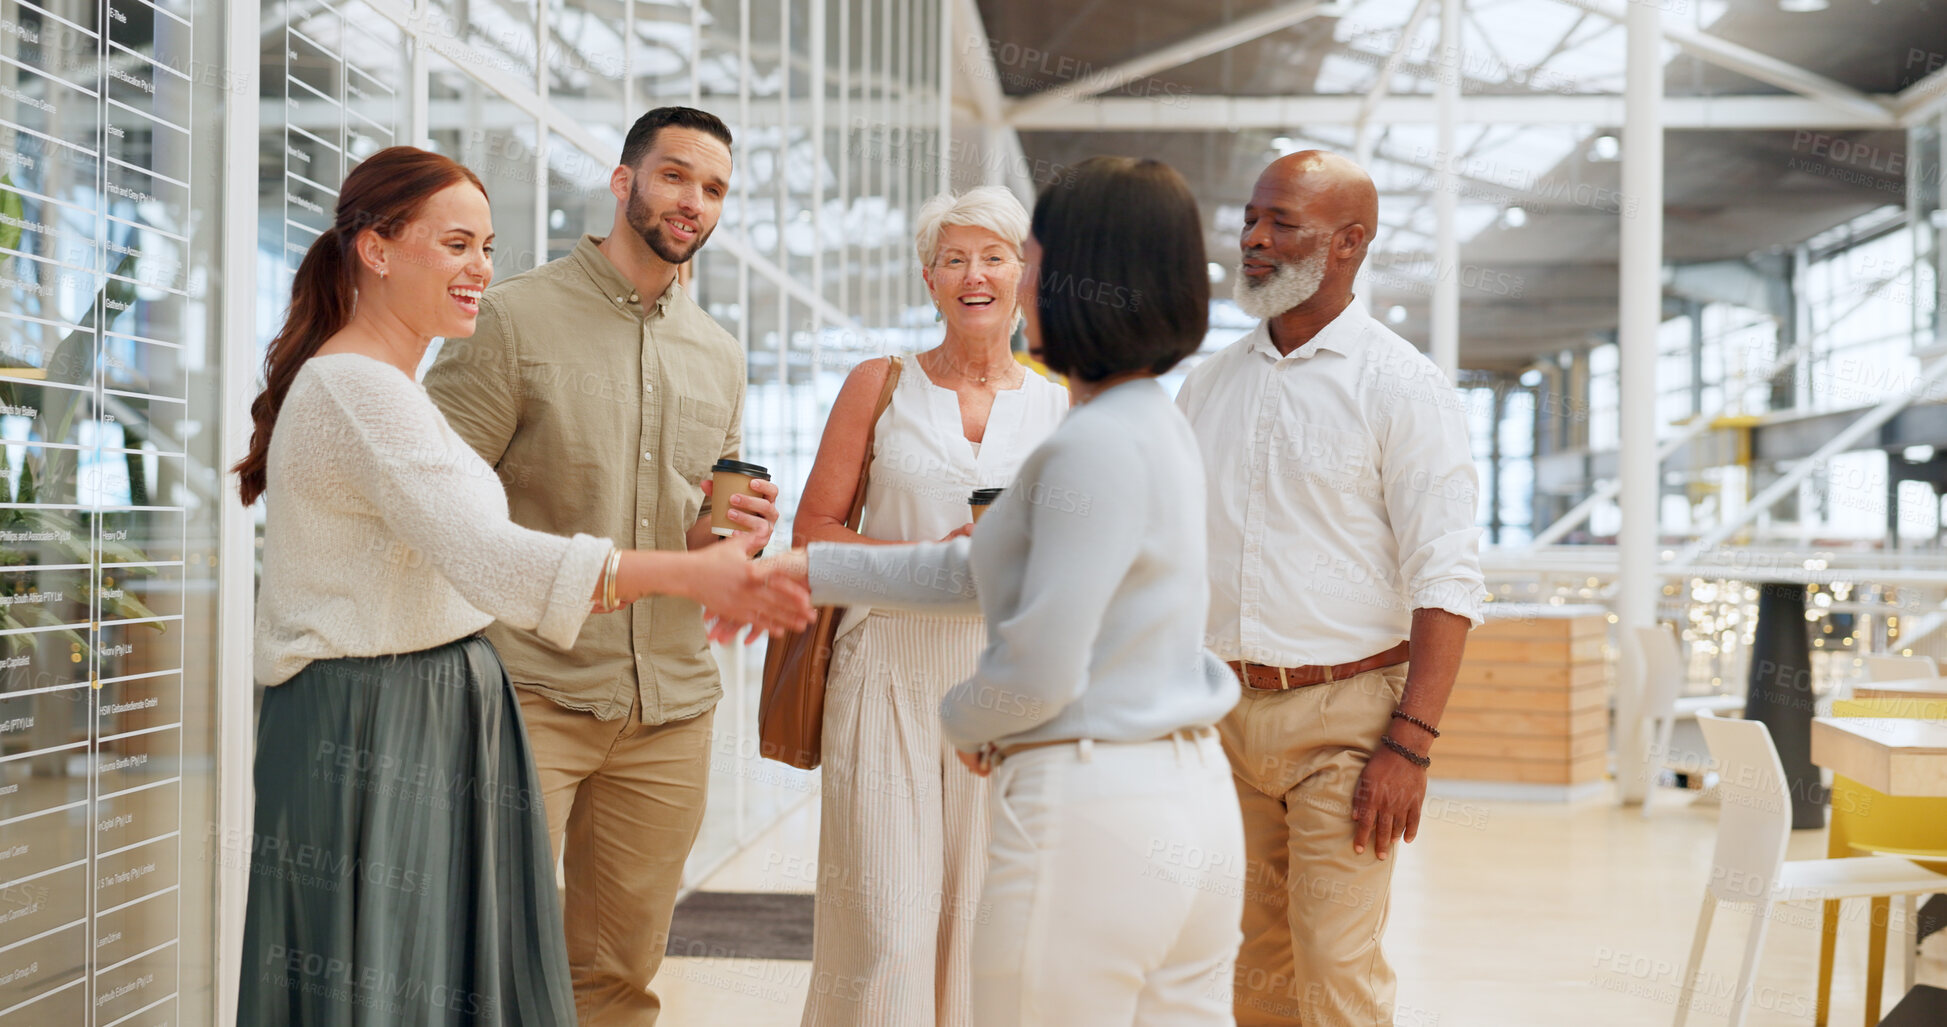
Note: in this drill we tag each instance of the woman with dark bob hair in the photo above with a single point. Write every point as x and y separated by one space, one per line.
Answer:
400 865
1110 895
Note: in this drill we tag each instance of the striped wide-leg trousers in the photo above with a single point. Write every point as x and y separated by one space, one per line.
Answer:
902 844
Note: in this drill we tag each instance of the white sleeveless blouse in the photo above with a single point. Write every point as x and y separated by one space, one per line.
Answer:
924 468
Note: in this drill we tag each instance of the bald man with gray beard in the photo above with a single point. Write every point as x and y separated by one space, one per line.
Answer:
1342 541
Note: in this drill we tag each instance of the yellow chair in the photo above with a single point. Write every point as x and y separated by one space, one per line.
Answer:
1866 823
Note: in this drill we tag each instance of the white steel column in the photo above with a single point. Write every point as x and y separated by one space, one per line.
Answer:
781 175
1445 342
696 58
236 525
742 160
1364 138
541 133
845 150
419 125
1939 226
945 99
820 153
1641 298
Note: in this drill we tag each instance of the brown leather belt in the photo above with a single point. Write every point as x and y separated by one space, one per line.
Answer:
1187 734
1279 679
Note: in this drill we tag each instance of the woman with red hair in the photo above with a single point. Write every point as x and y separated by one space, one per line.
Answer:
401 871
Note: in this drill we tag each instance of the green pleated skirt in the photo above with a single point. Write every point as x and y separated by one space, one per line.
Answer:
400 866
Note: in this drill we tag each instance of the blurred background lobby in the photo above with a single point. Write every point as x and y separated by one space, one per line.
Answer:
1683 260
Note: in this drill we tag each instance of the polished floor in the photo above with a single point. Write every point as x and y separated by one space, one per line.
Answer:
1503 914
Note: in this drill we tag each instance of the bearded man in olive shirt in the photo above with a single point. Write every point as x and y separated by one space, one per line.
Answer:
603 394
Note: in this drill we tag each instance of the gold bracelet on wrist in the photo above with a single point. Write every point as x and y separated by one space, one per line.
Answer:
610 599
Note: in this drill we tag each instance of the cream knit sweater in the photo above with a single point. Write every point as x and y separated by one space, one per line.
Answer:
384 533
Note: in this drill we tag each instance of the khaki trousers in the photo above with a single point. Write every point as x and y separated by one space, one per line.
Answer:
1313 911
624 802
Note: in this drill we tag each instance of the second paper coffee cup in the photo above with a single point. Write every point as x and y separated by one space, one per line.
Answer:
981 500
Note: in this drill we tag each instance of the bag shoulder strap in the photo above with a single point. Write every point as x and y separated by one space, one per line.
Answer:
894 366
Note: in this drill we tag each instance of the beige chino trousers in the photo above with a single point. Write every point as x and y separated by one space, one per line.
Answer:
625 803
1313 911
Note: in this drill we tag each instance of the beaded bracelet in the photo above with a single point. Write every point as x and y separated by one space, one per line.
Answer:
1412 757
1416 722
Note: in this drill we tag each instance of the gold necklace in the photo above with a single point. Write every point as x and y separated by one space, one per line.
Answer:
982 379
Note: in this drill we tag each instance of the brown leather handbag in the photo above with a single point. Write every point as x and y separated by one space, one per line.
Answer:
791 709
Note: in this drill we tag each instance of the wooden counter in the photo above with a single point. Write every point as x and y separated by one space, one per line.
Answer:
1531 703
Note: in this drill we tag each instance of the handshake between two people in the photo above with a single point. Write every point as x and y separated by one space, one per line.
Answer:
735 591
767 596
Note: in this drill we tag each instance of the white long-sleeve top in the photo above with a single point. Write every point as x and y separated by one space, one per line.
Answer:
385 533
1342 494
1090 572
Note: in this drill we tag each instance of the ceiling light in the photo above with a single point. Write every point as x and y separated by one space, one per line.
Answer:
1531 377
1605 147
1802 6
1283 144
1216 272
1917 454
1515 217
1395 314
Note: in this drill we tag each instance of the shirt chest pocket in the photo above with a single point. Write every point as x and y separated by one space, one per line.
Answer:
702 429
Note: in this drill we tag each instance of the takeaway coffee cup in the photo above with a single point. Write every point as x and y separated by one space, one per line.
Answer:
981 500
730 478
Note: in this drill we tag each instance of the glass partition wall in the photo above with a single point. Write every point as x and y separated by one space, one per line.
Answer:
126 171
111 383
835 108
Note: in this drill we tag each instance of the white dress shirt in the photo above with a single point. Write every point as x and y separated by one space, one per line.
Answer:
1342 494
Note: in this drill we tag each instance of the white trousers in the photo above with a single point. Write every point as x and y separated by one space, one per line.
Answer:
1113 888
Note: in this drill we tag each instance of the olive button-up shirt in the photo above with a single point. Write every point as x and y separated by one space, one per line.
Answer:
602 414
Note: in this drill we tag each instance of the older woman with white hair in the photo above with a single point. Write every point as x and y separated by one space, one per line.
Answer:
903 840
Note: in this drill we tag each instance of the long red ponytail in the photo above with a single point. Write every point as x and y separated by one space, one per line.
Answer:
383 193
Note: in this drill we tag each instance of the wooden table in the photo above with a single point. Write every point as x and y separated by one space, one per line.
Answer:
1905 688
1890 756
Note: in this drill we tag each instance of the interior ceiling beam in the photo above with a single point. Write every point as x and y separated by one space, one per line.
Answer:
1293 113
977 71
1748 62
1922 98
1211 41
1382 87
981 79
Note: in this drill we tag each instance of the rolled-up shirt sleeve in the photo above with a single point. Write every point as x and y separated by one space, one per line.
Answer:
1431 494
